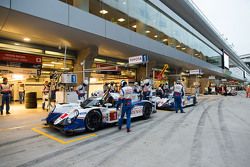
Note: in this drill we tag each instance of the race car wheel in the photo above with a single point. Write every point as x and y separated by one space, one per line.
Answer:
147 110
93 121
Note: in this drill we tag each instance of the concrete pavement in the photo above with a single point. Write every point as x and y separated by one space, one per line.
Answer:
216 133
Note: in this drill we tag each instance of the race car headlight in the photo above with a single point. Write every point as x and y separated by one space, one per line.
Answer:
72 116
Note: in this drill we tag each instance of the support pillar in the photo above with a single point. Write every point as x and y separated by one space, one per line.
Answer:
145 71
85 59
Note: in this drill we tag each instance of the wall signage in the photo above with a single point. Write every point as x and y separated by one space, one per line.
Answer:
138 59
195 72
14 59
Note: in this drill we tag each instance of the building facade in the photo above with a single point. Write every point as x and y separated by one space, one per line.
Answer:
77 35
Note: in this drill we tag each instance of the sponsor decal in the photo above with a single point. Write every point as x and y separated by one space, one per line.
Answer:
138 59
113 115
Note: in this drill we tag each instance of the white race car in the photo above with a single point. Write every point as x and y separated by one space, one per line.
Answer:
168 102
94 113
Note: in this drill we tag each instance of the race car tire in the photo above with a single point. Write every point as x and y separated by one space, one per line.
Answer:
147 110
93 121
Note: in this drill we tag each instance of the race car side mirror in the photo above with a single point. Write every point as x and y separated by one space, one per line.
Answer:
108 105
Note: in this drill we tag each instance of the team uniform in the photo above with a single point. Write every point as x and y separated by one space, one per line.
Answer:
5 92
45 91
126 105
81 92
146 91
137 89
178 93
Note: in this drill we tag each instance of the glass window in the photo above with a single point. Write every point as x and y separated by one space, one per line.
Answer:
145 18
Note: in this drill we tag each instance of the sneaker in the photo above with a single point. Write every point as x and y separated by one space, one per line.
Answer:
119 127
7 112
1 113
183 112
128 130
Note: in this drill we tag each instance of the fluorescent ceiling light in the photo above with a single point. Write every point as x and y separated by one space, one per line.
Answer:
20 48
17 44
64 68
121 19
17 77
178 46
124 3
26 39
99 60
165 40
49 65
196 54
53 53
183 48
58 63
120 63
156 36
147 31
103 11
45 72
134 26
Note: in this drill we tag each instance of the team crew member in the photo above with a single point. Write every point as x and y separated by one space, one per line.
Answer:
126 104
136 88
112 87
146 90
178 93
21 92
105 87
81 89
45 91
248 91
5 90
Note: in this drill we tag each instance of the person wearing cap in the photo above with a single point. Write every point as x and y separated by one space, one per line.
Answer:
5 90
105 87
136 88
178 93
166 89
125 101
81 90
146 90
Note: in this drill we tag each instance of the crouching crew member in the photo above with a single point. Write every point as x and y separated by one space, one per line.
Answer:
125 101
5 90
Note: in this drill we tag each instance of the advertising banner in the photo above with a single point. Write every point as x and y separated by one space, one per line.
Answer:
14 59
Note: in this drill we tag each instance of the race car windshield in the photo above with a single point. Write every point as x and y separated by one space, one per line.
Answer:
91 103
